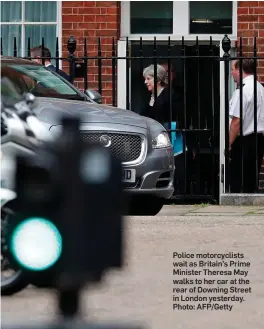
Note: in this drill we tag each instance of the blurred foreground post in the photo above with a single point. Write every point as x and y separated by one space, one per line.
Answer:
69 227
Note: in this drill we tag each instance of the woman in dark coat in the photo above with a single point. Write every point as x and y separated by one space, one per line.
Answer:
159 108
166 108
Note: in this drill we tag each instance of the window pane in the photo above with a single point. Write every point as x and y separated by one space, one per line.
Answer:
211 17
149 17
37 32
8 33
11 11
40 11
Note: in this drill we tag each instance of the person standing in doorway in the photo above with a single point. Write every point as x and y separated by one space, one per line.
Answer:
36 54
164 111
248 140
159 108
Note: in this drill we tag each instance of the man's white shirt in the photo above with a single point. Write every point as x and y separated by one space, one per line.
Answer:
233 101
248 106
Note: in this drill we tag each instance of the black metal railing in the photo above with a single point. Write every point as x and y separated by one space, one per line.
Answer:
194 104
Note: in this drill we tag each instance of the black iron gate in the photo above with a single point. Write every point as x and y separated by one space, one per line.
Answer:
197 70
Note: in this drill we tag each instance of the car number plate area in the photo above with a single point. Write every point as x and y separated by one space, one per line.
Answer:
129 175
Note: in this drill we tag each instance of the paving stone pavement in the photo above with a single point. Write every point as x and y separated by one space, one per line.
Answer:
142 291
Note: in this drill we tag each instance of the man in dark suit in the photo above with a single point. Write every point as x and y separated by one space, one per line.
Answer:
36 54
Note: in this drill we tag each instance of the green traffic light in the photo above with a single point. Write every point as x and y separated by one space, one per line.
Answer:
36 244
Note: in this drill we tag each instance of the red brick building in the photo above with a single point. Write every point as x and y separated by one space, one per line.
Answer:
117 19
121 19
130 20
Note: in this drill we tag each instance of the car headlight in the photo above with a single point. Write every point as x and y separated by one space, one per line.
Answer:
161 141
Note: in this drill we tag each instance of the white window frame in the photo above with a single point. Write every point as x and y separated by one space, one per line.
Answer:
24 23
180 29
180 24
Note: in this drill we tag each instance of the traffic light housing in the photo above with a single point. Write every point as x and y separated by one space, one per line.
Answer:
34 230
68 225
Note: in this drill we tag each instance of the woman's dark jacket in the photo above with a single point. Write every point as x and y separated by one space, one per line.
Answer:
160 110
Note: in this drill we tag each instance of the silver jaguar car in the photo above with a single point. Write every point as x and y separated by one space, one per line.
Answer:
142 144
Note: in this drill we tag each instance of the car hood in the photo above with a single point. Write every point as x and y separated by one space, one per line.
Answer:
50 110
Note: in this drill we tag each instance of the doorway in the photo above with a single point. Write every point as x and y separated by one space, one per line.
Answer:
201 91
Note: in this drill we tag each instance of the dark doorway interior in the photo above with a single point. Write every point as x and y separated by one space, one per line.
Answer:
202 94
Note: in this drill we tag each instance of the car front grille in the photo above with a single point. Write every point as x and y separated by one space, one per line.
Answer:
124 146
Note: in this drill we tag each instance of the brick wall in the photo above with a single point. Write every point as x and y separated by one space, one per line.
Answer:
93 19
90 20
250 24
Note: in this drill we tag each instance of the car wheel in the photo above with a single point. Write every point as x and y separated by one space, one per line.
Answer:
145 206
13 279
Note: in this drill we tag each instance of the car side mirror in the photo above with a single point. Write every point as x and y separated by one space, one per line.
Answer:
94 95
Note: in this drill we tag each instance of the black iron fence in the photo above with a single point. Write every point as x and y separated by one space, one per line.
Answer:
192 110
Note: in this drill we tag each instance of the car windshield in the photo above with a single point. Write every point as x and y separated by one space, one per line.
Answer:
39 81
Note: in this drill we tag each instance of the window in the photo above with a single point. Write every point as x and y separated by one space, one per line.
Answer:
154 17
211 17
177 19
29 19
